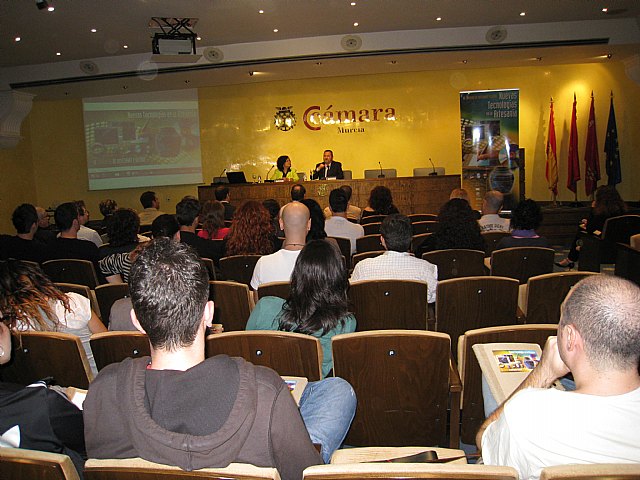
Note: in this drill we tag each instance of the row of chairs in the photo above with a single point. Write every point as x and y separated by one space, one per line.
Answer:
21 463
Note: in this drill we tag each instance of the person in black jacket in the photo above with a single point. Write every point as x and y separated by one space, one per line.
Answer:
328 168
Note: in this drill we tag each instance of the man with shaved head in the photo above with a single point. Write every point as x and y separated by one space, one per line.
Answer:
491 206
599 343
295 220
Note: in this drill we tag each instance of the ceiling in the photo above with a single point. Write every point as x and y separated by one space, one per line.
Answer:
396 35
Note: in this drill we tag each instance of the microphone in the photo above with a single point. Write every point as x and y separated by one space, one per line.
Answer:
219 177
434 168
381 174
266 178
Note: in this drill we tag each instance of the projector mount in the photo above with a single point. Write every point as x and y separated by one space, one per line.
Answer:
175 35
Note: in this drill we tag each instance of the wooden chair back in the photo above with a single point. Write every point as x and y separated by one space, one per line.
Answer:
491 240
541 298
274 289
424 227
522 263
18 463
71 271
113 347
37 355
208 263
233 304
402 380
475 302
392 471
422 217
372 228
106 296
361 256
456 263
344 244
602 471
289 354
238 268
418 240
602 249
389 304
472 401
85 292
371 219
628 263
368 243
139 469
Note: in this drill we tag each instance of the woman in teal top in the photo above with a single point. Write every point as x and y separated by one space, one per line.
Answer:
317 304
284 170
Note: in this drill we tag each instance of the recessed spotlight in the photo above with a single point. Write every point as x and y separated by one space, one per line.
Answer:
353 4
522 14
605 9
17 39
125 46
609 55
58 54
355 24
50 8
260 12
392 62
275 30
187 81
438 19
318 63
198 38
539 59
124 87
465 61
93 30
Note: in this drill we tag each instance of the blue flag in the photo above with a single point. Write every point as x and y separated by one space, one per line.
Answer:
612 154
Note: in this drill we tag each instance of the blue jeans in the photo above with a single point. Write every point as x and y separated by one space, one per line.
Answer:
327 408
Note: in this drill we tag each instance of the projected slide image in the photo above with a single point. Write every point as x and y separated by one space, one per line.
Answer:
137 141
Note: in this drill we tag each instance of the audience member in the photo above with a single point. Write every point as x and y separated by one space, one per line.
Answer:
212 219
397 263
316 231
298 192
107 207
380 202
223 195
84 232
457 228
273 206
337 224
22 246
151 205
251 231
540 426
460 193
30 301
526 218
295 220
607 203
188 215
67 245
122 228
353 213
490 220
180 408
318 303
44 233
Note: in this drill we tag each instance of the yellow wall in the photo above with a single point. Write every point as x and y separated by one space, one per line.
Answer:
237 133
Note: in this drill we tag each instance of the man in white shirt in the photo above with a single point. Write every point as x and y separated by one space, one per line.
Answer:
86 233
598 339
295 220
151 205
397 263
337 225
490 220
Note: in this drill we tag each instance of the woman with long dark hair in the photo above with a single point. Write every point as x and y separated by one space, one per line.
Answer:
30 301
283 170
525 220
380 202
212 218
122 229
606 204
251 231
317 304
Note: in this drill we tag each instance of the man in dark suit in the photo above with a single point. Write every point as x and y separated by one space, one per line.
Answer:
328 168
222 195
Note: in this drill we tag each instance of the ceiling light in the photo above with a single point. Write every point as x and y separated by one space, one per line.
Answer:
93 30
318 63
605 9
198 38
125 46
392 62
438 19
465 61
522 14
50 8
353 4
275 30
58 54
260 12
17 39
355 24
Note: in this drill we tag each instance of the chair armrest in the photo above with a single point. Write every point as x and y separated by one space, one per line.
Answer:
455 383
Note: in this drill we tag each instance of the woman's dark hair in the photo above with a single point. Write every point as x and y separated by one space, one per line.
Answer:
27 297
212 217
122 227
251 231
381 201
608 202
526 216
164 225
316 232
318 295
457 227
107 207
281 161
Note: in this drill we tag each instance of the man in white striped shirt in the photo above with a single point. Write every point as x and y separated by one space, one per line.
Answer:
397 263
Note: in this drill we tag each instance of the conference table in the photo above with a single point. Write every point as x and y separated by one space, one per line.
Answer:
410 194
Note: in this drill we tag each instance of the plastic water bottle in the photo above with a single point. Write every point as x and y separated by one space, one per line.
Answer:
259 179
